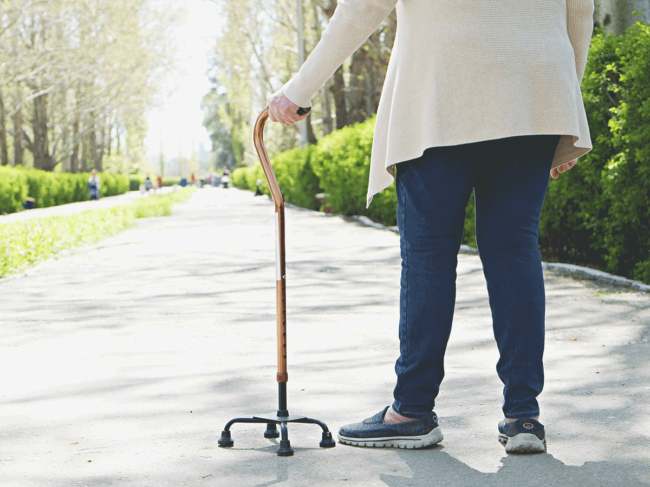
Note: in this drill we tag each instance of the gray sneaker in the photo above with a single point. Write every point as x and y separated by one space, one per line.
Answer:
522 436
373 432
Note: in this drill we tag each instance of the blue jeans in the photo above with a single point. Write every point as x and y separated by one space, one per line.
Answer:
509 177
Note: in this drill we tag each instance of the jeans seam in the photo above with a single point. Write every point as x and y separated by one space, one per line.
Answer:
401 181
406 311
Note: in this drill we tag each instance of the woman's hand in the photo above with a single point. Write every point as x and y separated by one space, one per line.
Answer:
555 172
283 110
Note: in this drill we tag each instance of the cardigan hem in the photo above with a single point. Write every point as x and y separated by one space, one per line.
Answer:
389 176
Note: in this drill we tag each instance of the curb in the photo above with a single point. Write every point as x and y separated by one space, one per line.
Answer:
566 270
589 274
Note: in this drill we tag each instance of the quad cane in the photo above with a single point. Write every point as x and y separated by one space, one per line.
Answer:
282 416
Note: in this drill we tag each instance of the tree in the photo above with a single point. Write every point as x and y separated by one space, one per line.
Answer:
80 72
615 16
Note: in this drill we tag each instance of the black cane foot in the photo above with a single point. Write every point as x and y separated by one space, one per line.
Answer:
271 431
285 449
225 441
327 441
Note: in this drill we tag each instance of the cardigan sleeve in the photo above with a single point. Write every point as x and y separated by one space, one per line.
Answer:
580 24
352 23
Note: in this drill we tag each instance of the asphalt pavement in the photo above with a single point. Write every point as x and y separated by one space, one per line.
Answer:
124 360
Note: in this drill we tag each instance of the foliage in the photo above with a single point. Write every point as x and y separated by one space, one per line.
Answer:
294 173
13 190
50 188
342 163
338 164
25 243
160 204
77 77
598 213
255 56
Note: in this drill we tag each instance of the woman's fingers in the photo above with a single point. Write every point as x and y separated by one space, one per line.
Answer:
556 171
283 110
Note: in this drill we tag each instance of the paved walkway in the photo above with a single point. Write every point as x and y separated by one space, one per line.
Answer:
80 206
123 362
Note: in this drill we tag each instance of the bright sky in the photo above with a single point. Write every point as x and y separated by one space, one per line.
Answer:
178 121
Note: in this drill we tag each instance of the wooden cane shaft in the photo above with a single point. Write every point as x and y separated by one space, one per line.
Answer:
281 299
280 284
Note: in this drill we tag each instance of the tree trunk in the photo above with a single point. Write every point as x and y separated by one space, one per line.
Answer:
338 83
17 119
370 85
74 157
311 137
84 152
109 140
65 160
99 152
338 92
615 16
327 112
4 155
357 87
92 148
40 145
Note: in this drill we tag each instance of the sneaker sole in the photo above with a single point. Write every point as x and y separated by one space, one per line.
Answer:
523 443
407 442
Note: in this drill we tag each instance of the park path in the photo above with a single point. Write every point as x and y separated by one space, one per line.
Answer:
70 208
123 362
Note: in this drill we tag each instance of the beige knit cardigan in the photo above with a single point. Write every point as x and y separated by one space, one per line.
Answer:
463 71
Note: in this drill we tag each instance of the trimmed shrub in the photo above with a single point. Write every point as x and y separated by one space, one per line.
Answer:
341 161
296 177
50 188
13 190
598 214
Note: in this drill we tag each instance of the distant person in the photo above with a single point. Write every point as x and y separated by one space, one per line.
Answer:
225 180
216 179
147 183
192 179
257 189
93 185
159 181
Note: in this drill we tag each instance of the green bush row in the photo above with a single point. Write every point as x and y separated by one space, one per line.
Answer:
597 214
50 188
338 165
27 242
295 175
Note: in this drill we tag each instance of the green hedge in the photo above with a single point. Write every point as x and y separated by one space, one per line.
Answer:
597 214
338 165
50 188
27 242
295 176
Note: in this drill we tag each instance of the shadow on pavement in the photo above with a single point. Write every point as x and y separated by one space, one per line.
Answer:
436 467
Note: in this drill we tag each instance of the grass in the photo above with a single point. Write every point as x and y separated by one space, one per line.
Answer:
24 244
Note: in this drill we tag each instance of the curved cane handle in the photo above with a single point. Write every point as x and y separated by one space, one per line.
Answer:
258 139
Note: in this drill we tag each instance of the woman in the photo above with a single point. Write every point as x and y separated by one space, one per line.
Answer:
481 96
